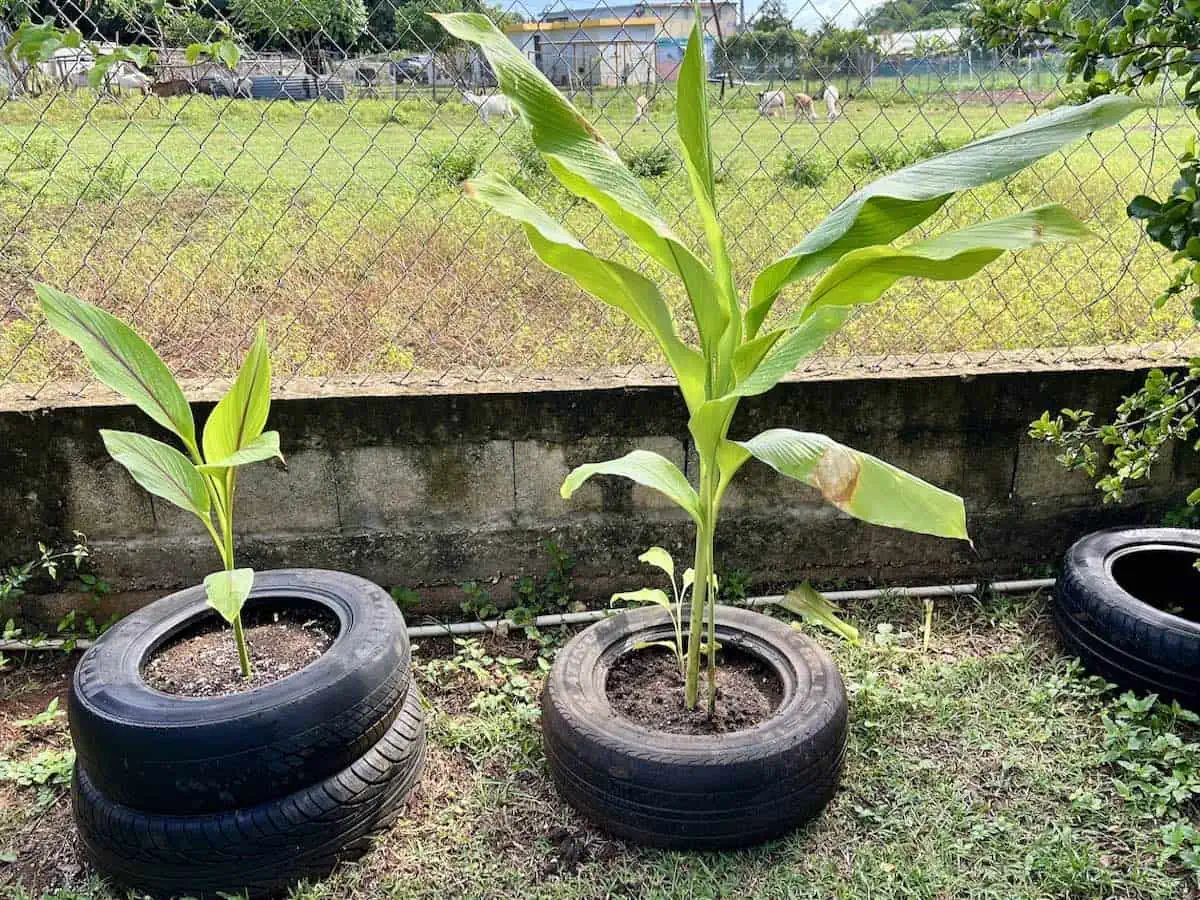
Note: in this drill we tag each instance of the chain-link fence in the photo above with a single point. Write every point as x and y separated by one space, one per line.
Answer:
313 184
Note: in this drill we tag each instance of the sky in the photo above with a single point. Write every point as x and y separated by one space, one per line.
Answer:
809 15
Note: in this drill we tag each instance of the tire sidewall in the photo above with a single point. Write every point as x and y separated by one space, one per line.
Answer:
1089 563
811 717
119 723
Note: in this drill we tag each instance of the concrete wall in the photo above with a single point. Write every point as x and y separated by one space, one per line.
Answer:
429 490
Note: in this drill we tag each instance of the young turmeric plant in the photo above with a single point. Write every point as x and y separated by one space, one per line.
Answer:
202 481
742 350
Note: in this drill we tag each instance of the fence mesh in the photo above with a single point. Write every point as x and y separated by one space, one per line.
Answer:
314 185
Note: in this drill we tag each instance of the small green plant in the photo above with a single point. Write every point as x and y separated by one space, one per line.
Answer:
49 768
406 598
455 164
878 159
650 162
46 717
15 577
804 601
109 181
36 151
735 587
477 601
740 350
551 593
202 482
808 171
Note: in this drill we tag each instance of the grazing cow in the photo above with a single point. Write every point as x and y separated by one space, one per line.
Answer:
497 105
771 103
175 87
642 103
831 101
804 104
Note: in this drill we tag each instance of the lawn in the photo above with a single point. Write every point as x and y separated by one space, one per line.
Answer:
985 765
342 225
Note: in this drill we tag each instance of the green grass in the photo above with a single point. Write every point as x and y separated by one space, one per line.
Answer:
984 767
341 224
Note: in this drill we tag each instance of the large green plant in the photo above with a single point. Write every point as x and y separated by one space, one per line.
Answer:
203 481
742 352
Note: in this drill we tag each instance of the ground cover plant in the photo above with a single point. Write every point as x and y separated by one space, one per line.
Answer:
984 766
330 222
736 352
204 481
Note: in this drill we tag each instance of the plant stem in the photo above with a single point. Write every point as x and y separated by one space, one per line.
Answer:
239 634
702 584
239 638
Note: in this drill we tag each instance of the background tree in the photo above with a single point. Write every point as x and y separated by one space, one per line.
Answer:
1114 47
419 32
310 27
914 15
771 16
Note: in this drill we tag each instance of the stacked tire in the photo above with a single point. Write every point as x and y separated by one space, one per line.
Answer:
1128 605
183 796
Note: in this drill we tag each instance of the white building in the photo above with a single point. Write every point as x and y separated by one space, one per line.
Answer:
583 45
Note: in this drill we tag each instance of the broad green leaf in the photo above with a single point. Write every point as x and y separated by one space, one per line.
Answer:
265 446
896 203
619 286
660 558
587 166
691 106
645 595
160 469
812 606
859 484
689 578
862 276
802 341
241 415
646 468
226 591
121 360
708 424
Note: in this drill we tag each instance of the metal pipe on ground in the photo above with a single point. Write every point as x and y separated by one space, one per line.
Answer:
455 629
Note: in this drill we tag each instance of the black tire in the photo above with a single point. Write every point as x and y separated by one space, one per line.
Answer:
169 754
1111 607
695 792
262 849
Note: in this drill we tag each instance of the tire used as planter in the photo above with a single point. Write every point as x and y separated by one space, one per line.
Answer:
1128 605
197 796
261 849
164 753
695 791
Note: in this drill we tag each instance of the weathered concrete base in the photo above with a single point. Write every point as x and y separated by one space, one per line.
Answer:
428 491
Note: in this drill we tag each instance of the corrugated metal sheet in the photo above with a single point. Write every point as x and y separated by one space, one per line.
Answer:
297 87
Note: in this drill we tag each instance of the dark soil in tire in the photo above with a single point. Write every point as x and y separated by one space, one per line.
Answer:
695 791
203 661
646 687
1128 604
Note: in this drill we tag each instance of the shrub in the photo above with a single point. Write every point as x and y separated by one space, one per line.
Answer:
649 162
806 171
456 163
37 152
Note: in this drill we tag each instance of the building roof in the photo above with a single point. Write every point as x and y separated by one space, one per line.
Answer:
578 24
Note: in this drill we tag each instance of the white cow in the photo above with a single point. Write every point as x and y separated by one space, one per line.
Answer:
643 102
831 101
496 105
771 103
